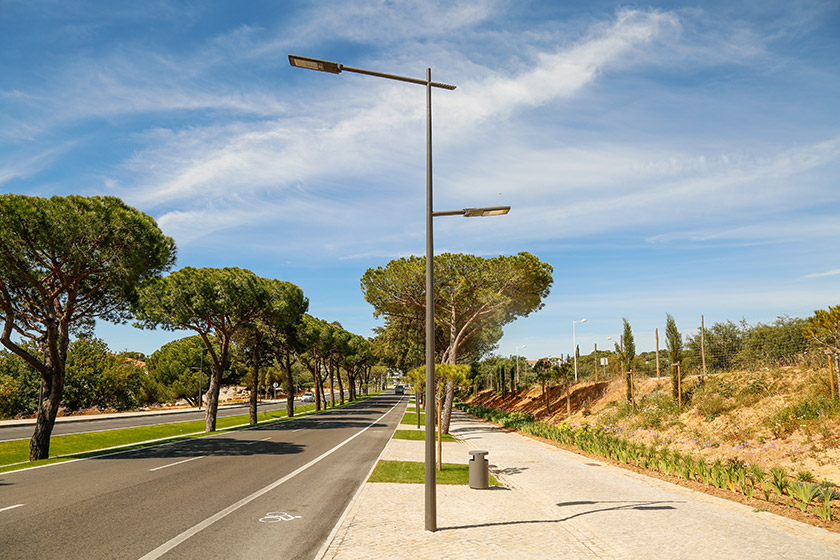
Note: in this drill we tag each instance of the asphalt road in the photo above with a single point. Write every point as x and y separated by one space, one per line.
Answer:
275 491
80 424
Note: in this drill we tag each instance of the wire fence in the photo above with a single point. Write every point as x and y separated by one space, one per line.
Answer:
721 347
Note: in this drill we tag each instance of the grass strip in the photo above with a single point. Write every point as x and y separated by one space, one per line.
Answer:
410 472
411 418
418 435
14 455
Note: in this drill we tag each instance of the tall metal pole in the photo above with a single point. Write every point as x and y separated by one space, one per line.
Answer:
431 490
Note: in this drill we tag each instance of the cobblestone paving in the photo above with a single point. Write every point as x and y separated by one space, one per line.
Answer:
557 504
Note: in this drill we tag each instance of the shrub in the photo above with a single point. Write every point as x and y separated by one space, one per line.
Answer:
804 492
654 409
787 419
711 406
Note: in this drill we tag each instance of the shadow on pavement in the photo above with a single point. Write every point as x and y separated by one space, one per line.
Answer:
637 506
218 446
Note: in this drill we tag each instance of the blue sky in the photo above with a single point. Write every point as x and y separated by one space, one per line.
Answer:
674 158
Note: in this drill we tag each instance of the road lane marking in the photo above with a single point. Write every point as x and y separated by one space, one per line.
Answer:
258 441
195 529
340 522
277 516
11 507
178 463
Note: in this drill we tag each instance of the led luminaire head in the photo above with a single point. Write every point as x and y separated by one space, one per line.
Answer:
315 64
488 211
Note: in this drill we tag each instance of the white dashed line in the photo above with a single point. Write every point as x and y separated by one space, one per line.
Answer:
11 507
178 463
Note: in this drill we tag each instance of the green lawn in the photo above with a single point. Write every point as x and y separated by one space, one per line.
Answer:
418 435
409 472
411 418
15 454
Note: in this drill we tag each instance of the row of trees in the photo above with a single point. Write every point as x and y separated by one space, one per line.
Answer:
95 377
67 261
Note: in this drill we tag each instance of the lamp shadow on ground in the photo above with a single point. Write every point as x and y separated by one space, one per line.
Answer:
508 470
636 506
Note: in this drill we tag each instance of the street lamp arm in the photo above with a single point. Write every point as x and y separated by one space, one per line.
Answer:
337 68
395 77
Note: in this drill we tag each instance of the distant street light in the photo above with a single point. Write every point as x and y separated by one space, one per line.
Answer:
574 343
336 68
517 363
200 373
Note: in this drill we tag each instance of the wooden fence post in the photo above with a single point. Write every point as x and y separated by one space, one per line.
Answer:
657 353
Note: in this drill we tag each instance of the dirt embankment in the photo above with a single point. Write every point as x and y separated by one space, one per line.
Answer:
778 424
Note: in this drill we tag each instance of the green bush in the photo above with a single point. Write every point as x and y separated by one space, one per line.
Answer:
785 420
655 409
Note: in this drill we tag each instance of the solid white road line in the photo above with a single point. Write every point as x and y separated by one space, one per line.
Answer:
11 507
178 463
258 441
195 529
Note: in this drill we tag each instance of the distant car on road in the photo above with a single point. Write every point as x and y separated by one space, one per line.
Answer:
308 397
399 390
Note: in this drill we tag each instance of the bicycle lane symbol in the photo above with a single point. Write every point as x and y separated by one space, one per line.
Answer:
278 516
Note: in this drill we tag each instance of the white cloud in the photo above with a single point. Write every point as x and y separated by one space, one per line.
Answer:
835 272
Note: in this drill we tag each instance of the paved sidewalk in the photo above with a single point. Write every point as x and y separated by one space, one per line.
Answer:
557 504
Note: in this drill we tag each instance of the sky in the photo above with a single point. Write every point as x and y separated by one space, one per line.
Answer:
667 157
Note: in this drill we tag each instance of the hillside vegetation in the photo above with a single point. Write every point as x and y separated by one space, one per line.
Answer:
780 417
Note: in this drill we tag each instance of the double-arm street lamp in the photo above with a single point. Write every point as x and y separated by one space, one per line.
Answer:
574 343
336 68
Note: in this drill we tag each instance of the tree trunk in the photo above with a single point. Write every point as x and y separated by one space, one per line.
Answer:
448 398
290 386
547 398
568 399
502 381
255 380
332 385
314 371
513 382
837 371
39 444
340 386
212 398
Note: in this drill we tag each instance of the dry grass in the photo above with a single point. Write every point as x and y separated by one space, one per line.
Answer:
781 417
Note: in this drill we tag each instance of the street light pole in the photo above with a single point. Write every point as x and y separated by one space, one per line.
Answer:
574 343
336 68
431 475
